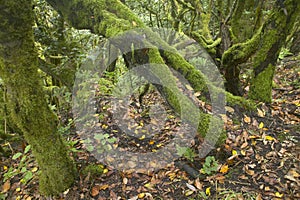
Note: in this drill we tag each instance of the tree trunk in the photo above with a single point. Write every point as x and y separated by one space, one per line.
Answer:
26 101
273 36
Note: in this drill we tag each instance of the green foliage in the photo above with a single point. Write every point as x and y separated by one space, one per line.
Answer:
65 129
187 152
3 196
284 53
22 169
106 83
100 143
210 166
56 40
202 195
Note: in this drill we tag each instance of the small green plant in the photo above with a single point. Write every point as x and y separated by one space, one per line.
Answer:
284 52
187 152
106 85
72 146
102 142
202 195
93 169
27 174
210 166
65 129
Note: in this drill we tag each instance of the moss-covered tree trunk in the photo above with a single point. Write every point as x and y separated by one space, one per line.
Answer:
266 45
273 36
110 18
26 101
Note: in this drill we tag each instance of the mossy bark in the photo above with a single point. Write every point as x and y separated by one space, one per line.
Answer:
266 44
235 55
111 17
273 36
25 98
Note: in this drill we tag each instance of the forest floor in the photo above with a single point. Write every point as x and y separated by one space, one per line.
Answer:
259 160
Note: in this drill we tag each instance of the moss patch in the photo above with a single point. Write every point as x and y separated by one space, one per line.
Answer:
261 85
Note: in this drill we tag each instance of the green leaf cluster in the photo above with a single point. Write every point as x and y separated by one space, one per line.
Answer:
186 152
210 165
22 170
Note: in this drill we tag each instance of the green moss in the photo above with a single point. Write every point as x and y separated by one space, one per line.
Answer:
93 170
240 52
240 101
212 129
261 85
26 100
112 25
154 56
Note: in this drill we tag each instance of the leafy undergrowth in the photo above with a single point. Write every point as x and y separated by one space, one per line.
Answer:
260 159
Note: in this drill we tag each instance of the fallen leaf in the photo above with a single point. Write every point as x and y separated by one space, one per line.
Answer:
224 169
104 187
291 178
258 197
247 119
141 195
151 142
34 169
149 186
207 191
191 187
6 186
95 191
125 181
172 175
293 172
244 145
188 193
270 138
189 87
243 152
250 172
260 113
134 23
229 109
197 94
267 188
261 125
277 194
198 184
243 177
234 152
221 179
